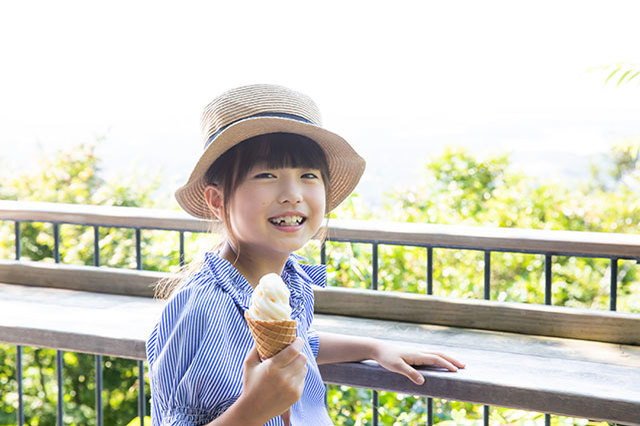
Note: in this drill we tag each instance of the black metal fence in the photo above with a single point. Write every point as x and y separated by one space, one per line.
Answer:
142 396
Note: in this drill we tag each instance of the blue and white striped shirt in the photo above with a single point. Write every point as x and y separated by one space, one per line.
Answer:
197 349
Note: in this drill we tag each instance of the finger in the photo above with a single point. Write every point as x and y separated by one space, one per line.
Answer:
300 362
252 358
300 372
455 362
288 354
433 359
299 379
296 367
411 373
448 358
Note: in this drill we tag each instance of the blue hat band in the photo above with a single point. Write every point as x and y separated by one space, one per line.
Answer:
262 114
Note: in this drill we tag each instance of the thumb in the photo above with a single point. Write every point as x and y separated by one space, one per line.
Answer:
252 358
411 373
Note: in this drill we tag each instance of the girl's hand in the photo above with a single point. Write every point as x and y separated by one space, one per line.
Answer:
270 387
400 360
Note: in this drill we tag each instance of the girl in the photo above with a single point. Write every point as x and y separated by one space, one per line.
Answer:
269 173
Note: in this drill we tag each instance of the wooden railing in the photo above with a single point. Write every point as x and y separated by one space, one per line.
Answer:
549 339
573 243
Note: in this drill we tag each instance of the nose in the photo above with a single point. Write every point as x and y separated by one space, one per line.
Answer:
290 192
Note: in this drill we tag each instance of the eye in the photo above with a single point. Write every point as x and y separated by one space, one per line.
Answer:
264 175
310 175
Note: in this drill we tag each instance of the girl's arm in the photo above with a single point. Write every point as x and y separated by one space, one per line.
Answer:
239 413
341 348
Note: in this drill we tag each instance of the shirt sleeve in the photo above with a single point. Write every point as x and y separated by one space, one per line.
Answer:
314 341
188 381
315 274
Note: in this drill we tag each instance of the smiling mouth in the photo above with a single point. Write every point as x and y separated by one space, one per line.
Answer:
287 220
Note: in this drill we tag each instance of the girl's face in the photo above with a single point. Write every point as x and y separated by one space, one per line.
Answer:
276 211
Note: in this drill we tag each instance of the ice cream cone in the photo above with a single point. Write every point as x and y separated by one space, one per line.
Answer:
271 336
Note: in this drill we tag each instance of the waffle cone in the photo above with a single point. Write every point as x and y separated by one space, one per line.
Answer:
271 336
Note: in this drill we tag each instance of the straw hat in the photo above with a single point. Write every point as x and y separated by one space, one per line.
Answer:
249 111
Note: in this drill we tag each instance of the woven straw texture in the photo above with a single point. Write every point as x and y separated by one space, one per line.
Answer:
271 336
229 117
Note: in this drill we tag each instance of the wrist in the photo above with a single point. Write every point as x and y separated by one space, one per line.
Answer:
374 348
241 412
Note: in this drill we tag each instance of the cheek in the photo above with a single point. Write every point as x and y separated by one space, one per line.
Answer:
242 210
252 198
320 200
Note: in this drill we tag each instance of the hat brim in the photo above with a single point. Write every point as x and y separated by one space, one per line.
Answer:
345 165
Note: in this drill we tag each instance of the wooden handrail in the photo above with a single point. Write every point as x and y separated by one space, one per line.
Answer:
589 244
108 216
562 376
555 321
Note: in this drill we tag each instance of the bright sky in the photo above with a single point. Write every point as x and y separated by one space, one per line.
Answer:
397 79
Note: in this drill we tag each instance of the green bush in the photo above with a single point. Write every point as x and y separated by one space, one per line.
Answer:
456 188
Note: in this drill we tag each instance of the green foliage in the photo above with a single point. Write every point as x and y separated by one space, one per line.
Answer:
74 177
456 188
621 72
459 188
349 406
120 388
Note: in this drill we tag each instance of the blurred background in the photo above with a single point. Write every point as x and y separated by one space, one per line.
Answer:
492 113
399 80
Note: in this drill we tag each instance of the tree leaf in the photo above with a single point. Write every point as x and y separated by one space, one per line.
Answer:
633 76
612 74
623 77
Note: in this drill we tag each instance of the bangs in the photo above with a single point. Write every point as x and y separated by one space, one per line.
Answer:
280 150
273 150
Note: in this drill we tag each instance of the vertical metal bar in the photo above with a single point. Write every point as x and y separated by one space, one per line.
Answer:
17 233
613 295
138 249
374 266
485 415
548 291
142 408
19 369
96 245
56 242
56 257
430 292
99 409
326 397
60 387
429 270
548 300
374 286
487 296
98 358
20 386
181 248
323 253
487 275
376 402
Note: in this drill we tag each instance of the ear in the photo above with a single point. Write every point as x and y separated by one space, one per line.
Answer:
213 197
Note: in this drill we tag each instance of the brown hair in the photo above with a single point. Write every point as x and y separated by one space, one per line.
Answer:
275 151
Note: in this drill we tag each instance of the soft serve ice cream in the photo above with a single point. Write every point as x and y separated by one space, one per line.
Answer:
269 316
270 300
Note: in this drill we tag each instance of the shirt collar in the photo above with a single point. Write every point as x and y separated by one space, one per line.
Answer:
234 283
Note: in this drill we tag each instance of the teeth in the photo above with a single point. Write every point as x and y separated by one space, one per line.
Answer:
287 220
